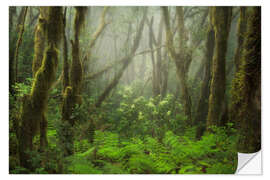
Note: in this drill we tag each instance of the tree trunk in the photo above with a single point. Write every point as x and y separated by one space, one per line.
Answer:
182 58
246 89
202 108
72 93
221 20
39 46
35 104
242 23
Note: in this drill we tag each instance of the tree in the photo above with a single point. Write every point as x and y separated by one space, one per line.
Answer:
182 58
202 108
242 23
34 105
246 88
72 92
221 20
126 61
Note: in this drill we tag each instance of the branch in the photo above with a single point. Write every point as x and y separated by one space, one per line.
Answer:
169 36
127 61
100 28
107 68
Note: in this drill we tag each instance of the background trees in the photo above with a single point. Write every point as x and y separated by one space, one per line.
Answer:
87 105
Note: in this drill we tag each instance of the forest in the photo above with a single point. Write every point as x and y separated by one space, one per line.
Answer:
133 90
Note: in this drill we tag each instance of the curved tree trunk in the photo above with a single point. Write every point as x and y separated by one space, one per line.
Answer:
35 104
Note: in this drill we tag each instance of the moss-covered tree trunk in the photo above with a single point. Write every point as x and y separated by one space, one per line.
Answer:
72 92
246 89
202 108
34 105
39 40
221 21
242 23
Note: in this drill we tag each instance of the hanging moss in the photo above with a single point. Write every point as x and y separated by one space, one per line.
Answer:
246 89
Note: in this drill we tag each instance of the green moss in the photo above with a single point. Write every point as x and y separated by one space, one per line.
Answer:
246 89
221 20
39 44
32 116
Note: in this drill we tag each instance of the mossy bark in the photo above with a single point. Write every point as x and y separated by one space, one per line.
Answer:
39 42
155 88
242 23
202 108
33 110
246 89
71 95
221 21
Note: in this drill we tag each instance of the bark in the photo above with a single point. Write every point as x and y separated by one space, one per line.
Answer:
202 108
34 105
221 20
65 56
72 93
127 61
242 23
246 89
39 40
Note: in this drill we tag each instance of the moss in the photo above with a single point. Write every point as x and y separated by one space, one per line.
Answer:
71 95
39 44
246 89
220 19
55 25
32 116
242 23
